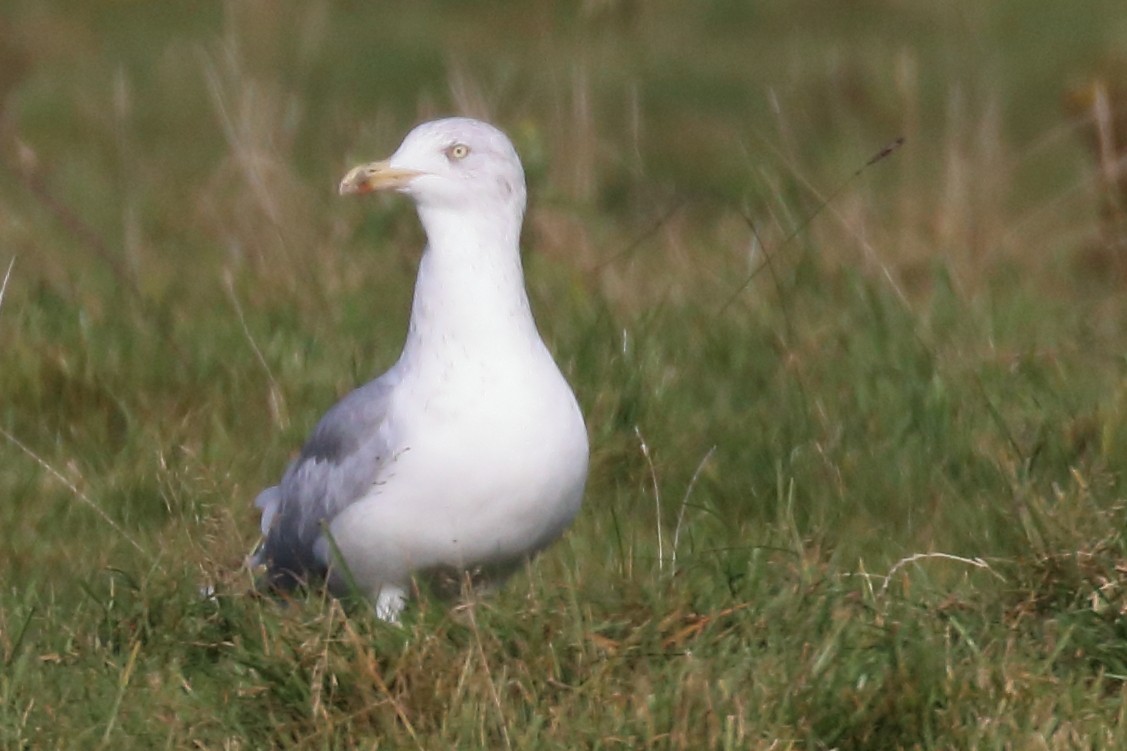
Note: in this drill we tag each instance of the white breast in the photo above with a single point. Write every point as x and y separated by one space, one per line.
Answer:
489 468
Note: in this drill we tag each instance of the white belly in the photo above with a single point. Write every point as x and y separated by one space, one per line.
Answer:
485 475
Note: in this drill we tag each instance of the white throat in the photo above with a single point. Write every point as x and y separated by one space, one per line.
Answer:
470 304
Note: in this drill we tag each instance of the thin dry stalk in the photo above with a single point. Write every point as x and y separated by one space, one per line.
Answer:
73 489
824 201
277 402
976 562
489 677
4 284
247 144
468 96
123 684
684 505
657 495
31 178
583 156
70 486
317 708
1105 132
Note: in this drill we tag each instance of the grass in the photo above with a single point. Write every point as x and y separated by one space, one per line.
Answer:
874 500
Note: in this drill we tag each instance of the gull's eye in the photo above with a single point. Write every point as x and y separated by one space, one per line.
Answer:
457 152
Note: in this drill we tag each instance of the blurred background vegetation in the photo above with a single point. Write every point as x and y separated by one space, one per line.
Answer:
161 125
933 363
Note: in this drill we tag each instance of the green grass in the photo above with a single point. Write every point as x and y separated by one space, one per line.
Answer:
875 500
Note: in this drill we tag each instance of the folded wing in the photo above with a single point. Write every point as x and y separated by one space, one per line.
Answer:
339 464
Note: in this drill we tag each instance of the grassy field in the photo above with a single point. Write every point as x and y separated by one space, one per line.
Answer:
872 497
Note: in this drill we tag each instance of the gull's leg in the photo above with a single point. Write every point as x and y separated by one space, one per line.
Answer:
389 602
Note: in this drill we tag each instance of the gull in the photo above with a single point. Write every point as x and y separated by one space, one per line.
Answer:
469 455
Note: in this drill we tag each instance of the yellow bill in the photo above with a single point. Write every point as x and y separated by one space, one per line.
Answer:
367 178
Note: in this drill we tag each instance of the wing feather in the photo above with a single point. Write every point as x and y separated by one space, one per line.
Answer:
340 462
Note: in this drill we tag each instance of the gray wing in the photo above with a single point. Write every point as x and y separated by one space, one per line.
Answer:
338 464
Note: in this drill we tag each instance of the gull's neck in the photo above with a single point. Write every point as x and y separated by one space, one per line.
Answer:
470 304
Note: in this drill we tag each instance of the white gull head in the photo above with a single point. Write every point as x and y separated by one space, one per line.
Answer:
453 164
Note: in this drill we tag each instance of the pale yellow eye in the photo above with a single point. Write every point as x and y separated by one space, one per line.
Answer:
458 151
